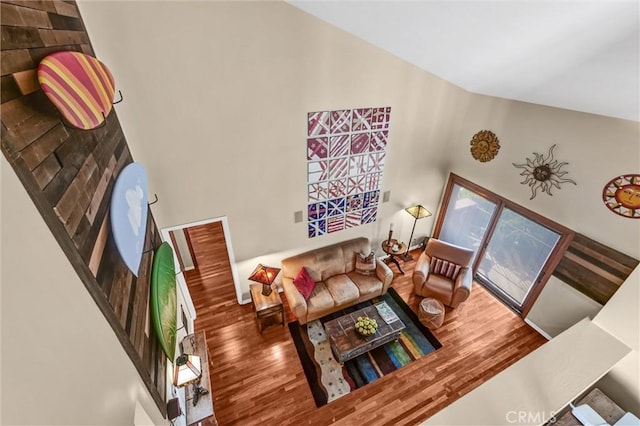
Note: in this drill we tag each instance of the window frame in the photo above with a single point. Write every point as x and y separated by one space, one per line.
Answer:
566 234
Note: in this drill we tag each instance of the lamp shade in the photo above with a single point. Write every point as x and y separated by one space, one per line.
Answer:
418 211
188 370
264 274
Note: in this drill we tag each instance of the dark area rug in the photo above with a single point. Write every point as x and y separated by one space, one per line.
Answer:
329 381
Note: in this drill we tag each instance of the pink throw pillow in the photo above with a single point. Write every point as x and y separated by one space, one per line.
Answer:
304 283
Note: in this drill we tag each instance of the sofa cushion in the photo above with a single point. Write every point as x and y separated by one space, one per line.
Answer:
366 264
304 283
320 299
350 248
342 289
367 284
444 268
439 287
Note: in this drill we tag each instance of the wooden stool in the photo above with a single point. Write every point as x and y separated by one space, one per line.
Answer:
431 313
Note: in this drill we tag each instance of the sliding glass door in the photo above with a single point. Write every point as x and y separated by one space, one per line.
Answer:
515 248
514 257
467 219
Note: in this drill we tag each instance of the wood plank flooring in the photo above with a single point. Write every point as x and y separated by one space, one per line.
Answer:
258 379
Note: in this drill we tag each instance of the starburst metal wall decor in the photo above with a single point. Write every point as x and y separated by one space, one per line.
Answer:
484 146
543 172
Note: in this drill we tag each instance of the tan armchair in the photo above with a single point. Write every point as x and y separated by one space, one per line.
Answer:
446 290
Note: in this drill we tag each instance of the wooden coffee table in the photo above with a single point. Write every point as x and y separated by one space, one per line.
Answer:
346 343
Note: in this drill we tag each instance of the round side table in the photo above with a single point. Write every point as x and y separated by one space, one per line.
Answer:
431 313
400 249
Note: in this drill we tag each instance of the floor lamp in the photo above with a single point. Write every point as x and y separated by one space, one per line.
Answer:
418 212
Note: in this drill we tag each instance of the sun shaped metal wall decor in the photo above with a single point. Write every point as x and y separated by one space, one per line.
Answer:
543 172
484 146
622 195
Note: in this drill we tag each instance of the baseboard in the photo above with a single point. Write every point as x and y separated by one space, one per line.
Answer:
538 329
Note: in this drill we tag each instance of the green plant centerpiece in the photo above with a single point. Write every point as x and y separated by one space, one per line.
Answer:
366 326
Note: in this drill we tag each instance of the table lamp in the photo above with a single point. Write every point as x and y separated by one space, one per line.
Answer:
264 275
418 212
188 370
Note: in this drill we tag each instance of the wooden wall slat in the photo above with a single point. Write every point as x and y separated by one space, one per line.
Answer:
141 301
44 146
594 269
15 60
60 22
86 239
614 261
8 89
107 268
98 248
73 152
62 37
67 9
39 54
27 118
19 38
101 189
47 171
45 5
27 81
19 16
58 185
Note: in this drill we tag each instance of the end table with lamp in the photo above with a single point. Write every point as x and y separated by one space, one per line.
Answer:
394 248
267 303
192 373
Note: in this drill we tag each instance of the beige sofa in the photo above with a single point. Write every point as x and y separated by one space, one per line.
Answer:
338 285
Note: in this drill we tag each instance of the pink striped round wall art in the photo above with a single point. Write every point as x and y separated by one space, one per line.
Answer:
79 85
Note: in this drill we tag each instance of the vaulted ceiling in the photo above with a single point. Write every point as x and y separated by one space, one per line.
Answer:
579 55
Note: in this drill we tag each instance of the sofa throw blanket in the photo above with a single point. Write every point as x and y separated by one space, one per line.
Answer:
366 264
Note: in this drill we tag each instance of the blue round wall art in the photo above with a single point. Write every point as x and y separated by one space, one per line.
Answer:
129 207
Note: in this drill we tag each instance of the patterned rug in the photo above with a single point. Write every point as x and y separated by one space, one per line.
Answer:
328 381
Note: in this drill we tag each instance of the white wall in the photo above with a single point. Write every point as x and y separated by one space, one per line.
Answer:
77 371
559 306
621 317
597 149
216 101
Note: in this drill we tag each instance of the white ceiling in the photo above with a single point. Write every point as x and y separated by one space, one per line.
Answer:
579 55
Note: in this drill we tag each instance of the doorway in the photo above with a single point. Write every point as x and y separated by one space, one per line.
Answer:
214 232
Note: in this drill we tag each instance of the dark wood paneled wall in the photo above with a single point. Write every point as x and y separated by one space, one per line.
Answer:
593 268
69 175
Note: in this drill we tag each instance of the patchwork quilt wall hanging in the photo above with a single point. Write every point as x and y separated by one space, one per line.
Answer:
345 161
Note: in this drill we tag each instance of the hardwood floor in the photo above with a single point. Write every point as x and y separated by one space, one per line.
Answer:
258 379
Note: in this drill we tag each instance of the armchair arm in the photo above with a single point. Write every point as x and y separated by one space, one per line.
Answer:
462 287
384 274
296 300
421 271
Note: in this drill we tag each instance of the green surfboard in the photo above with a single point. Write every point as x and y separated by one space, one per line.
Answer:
163 300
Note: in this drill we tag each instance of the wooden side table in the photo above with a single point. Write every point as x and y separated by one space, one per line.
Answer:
203 408
266 307
387 247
